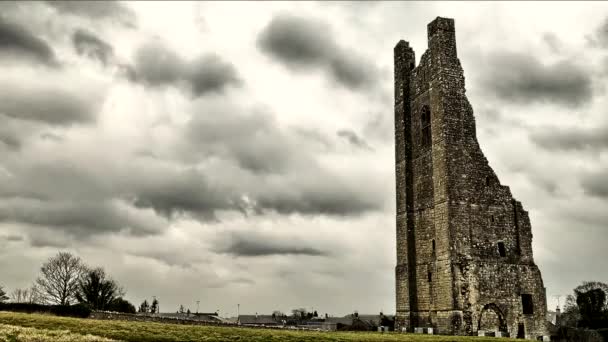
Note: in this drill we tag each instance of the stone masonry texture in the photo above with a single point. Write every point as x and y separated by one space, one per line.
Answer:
464 244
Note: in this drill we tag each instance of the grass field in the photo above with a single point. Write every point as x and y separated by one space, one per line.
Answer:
15 333
34 327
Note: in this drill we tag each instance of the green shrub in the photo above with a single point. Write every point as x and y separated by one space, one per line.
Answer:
121 305
77 310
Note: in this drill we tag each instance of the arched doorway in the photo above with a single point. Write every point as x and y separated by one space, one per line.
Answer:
491 319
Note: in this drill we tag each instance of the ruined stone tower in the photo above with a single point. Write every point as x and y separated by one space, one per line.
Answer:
464 244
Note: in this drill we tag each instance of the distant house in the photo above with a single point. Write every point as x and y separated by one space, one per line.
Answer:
259 320
553 316
340 321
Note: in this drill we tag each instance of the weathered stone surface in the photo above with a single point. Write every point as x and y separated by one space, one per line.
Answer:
464 244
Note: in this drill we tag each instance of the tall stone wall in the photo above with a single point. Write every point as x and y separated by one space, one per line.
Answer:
464 244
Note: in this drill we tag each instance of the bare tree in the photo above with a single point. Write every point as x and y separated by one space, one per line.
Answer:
3 296
59 278
20 295
34 296
26 295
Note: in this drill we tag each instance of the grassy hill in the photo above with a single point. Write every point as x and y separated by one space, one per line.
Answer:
18 326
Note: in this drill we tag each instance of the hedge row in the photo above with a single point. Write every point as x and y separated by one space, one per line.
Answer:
77 310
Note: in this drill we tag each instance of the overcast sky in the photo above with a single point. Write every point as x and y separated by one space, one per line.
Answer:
243 153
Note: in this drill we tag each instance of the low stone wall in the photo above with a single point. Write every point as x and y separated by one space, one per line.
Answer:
105 315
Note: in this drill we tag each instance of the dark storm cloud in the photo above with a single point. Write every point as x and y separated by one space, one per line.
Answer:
524 79
66 196
156 65
353 138
88 44
211 74
187 192
326 197
79 218
17 40
297 41
107 9
248 244
55 106
573 138
596 184
303 44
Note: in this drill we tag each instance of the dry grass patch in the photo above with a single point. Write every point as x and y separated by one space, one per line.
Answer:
151 331
20 334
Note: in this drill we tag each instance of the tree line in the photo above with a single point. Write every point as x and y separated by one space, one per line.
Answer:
65 279
587 307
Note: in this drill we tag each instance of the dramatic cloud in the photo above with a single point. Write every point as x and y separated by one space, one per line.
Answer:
48 102
572 138
175 193
88 44
236 153
353 138
287 178
256 244
156 65
595 184
211 74
109 9
17 41
305 43
83 219
524 79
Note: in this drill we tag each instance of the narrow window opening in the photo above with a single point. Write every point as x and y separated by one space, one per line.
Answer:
526 304
425 123
430 277
501 249
492 218
433 243
487 180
